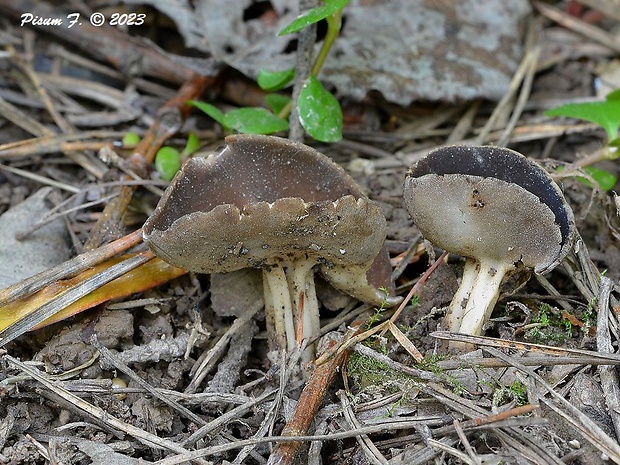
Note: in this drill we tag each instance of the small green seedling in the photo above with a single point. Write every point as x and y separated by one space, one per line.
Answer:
168 160
131 139
605 180
378 311
607 115
319 111
277 102
249 120
314 15
272 81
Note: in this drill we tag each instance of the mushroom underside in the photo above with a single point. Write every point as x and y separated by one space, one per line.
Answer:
495 225
227 238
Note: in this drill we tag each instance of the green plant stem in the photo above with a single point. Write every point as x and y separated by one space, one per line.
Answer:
286 110
334 22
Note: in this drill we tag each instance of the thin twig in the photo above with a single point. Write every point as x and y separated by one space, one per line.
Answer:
309 402
508 344
81 405
415 289
303 67
117 363
212 357
504 103
71 267
373 455
608 374
588 428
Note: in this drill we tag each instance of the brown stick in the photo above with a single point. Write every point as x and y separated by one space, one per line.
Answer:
131 55
309 402
169 120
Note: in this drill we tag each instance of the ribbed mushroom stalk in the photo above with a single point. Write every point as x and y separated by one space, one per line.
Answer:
266 202
494 207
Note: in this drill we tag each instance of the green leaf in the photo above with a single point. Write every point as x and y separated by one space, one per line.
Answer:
254 120
614 95
604 179
319 112
606 114
277 102
614 143
167 162
275 80
212 111
131 139
314 16
193 144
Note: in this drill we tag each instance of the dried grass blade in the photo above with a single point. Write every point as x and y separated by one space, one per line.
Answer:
573 415
507 344
101 415
66 298
608 374
405 342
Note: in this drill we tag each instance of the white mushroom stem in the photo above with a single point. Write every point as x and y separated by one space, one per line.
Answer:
456 310
278 307
352 280
305 304
291 306
482 295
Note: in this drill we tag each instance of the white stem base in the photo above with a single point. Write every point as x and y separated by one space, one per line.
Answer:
291 306
278 308
475 299
305 304
456 310
483 297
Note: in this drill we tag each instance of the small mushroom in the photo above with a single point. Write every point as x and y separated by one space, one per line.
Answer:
269 203
496 208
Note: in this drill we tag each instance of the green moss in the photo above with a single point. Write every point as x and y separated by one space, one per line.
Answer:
517 392
548 326
366 371
430 362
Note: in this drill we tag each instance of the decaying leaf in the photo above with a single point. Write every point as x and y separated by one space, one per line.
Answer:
413 50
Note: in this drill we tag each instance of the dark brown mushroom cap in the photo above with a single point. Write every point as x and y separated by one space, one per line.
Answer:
492 203
264 200
251 169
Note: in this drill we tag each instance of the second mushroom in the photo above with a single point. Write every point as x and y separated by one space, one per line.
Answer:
269 203
494 207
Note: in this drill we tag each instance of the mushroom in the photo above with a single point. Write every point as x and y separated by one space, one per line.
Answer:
269 203
496 208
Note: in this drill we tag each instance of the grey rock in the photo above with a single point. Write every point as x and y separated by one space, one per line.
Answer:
40 250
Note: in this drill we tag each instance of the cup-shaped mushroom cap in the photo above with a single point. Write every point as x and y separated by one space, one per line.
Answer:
251 169
261 201
226 238
490 203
